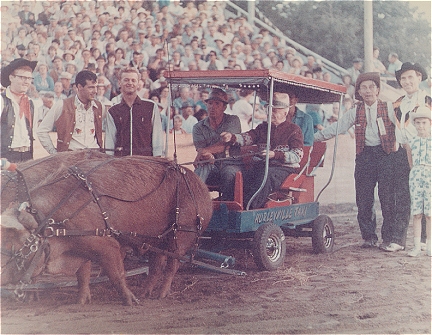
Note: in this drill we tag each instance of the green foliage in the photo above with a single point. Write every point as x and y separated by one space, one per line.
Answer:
334 29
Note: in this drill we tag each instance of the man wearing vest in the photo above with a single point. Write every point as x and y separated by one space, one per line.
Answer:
17 115
409 78
78 119
134 125
375 148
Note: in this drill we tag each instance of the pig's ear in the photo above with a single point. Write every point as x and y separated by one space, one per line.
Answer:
11 221
27 220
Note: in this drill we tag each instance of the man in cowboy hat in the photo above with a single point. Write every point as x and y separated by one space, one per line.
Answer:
206 138
409 78
285 154
66 80
18 111
375 147
78 119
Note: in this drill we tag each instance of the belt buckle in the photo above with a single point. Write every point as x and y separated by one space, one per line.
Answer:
21 149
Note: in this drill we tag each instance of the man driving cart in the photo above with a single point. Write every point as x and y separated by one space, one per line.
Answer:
285 154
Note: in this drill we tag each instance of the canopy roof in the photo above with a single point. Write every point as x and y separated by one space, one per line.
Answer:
308 90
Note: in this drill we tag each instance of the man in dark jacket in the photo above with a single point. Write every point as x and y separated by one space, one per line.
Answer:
134 125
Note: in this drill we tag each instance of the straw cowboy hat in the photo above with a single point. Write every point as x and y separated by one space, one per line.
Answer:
219 95
421 111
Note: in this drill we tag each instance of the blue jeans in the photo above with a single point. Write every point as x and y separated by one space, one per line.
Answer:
222 174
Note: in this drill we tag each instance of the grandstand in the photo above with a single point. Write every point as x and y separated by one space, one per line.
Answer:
104 36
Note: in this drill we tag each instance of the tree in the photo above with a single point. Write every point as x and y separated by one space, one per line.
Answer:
334 29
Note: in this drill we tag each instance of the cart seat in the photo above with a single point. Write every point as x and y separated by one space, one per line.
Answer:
299 187
237 203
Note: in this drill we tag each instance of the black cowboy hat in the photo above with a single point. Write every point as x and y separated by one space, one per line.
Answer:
410 66
12 66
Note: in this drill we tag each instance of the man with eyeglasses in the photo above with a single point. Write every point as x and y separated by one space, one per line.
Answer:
376 147
18 111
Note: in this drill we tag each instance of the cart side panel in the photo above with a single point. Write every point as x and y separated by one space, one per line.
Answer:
249 221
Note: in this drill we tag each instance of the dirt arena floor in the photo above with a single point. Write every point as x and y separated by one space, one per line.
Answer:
351 291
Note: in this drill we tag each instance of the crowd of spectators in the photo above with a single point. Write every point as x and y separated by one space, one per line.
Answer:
66 37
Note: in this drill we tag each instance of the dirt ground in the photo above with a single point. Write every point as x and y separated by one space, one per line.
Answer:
352 290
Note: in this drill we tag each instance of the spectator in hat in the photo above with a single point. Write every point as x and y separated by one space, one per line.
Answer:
42 80
354 71
285 154
68 56
57 68
47 102
187 112
376 155
206 138
45 14
198 58
21 50
26 17
18 112
409 78
78 119
134 125
66 80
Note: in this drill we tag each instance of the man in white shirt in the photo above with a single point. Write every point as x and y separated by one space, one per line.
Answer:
409 78
375 146
188 119
17 111
78 119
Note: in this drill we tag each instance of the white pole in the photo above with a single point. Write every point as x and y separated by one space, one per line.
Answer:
251 12
368 36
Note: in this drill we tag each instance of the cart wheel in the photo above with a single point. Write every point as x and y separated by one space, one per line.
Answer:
322 235
269 247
